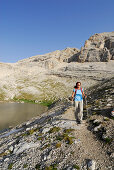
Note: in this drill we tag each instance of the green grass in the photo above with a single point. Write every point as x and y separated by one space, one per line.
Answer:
29 132
58 145
25 166
68 139
54 129
37 166
51 167
47 103
10 166
27 99
23 100
46 146
2 95
68 130
3 154
108 140
76 167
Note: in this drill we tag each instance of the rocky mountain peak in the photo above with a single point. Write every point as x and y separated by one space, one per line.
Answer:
99 47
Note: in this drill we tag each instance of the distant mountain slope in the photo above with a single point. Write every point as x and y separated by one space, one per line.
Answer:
52 76
98 48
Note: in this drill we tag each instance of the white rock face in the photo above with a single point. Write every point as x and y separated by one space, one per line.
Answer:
21 147
99 47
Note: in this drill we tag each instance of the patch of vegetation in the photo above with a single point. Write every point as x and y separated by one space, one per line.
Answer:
40 134
2 95
76 167
47 103
29 132
3 154
32 131
98 102
5 87
10 166
59 137
10 151
40 137
54 129
108 140
23 100
106 119
94 113
65 137
68 130
51 167
46 146
37 166
68 140
58 145
25 166
72 152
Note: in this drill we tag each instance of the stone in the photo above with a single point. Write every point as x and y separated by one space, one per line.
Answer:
96 121
11 148
27 129
96 129
109 105
77 141
6 159
91 165
49 157
112 155
112 113
104 136
45 130
45 158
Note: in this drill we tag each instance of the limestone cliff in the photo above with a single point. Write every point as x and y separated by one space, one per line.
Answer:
99 47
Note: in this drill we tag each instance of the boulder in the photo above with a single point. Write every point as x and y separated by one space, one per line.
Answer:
91 165
97 128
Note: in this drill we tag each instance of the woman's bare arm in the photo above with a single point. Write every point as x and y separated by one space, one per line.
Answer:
73 95
84 94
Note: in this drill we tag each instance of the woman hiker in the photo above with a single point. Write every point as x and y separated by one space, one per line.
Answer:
77 95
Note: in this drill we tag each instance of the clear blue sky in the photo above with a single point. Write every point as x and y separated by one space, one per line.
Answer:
31 27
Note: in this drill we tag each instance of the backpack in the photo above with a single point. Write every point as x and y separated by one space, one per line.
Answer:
76 91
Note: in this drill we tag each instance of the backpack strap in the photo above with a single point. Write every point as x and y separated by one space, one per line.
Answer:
75 91
81 90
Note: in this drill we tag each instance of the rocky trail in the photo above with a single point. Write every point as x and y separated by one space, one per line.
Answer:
88 147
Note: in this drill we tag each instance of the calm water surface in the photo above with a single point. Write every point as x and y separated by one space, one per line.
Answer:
12 114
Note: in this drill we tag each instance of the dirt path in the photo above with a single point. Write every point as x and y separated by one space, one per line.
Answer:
88 147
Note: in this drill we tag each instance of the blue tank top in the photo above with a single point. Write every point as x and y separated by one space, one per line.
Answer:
78 96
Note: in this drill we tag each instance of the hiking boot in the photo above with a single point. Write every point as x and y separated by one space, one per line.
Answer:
78 122
81 121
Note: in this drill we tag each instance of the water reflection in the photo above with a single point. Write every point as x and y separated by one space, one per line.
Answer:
12 114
